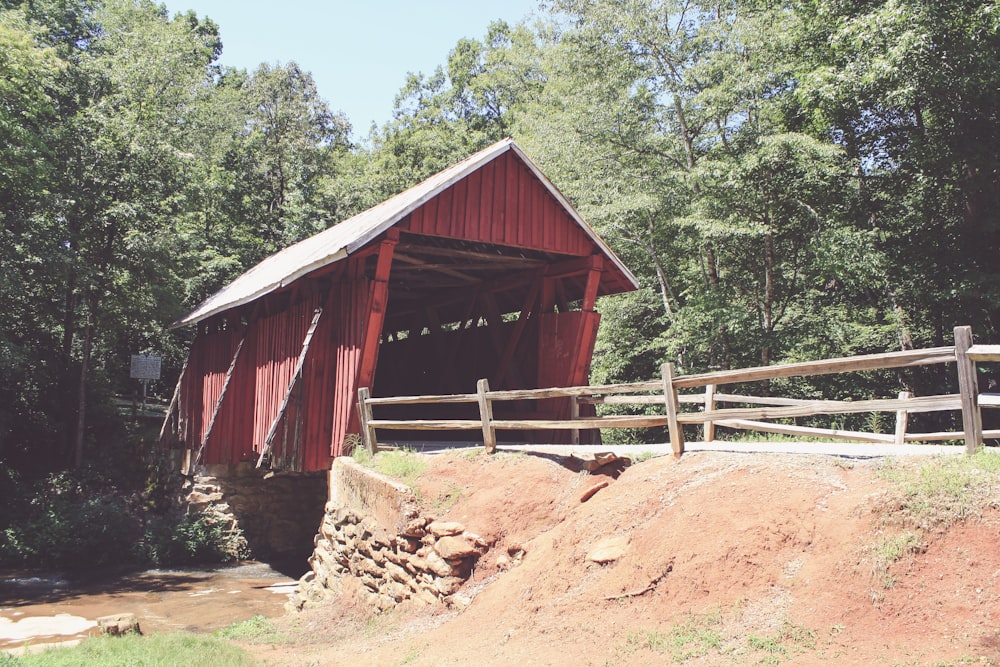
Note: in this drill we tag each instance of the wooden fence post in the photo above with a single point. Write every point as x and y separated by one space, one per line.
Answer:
486 414
365 412
709 427
574 414
670 400
902 419
968 388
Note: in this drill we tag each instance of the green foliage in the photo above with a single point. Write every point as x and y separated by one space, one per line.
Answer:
257 630
85 520
405 465
158 649
945 490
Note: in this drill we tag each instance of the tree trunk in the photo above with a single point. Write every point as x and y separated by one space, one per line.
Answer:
81 414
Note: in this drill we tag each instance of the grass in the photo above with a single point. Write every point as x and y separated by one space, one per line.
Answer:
160 650
402 464
257 630
712 637
940 493
891 549
946 490
695 637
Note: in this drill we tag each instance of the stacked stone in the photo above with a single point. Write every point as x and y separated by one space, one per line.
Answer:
276 514
426 561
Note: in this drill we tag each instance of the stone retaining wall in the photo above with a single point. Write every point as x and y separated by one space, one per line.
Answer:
374 539
277 514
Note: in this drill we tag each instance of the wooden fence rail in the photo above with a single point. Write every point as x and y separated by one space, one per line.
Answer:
665 392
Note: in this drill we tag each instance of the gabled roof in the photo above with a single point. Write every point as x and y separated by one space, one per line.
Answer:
341 240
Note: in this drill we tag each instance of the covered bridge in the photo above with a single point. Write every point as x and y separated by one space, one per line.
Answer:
482 271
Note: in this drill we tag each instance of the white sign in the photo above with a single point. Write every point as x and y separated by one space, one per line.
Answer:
145 367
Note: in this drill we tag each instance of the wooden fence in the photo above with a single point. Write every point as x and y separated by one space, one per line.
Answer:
665 391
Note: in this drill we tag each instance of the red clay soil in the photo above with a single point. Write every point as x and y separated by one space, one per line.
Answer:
725 559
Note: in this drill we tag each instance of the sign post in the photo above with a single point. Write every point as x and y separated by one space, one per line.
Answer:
145 367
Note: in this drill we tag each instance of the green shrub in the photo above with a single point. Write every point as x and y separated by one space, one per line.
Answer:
74 520
133 650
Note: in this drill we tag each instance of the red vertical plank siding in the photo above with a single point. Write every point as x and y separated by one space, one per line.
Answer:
499 226
472 213
512 198
461 190
486 203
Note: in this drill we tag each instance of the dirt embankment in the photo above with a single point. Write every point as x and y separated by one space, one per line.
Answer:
714 559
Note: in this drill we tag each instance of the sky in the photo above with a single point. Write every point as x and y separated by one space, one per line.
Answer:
358 51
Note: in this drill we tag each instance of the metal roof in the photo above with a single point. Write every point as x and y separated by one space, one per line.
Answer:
345 238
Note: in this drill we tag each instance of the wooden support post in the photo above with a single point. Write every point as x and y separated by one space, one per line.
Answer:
968 388
365 412
902 418
296 377
196 461
670 400
174 400
709 427
574 414
378 300
486 415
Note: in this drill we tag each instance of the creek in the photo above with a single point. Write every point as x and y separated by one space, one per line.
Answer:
37 609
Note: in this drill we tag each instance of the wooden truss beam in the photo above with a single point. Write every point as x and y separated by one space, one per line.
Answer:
196 461
296 377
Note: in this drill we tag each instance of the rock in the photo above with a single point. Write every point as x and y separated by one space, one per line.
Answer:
438 565
448 585
117 625
409 545
503 562
588 494
608 550
415 528
591 462
453 547
445 528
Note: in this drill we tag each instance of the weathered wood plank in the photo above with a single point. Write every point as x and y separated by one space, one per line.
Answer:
673 407
429 398
365 416
805 431
429 424
486 416
968 387
902 420
174 400
709 427
641 399
989 400
903 359
984 353
919 404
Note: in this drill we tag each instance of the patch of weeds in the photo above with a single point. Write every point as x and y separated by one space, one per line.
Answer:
411 656
256 630
892 549
643 456
788 639
946 490
448 500
403 464
473 454
769 645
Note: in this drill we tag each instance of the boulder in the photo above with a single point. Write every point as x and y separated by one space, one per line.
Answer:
117 625
608 550
445 528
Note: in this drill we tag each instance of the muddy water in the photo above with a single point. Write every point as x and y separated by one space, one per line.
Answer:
39 609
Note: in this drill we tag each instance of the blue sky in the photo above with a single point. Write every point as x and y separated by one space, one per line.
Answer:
357 51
